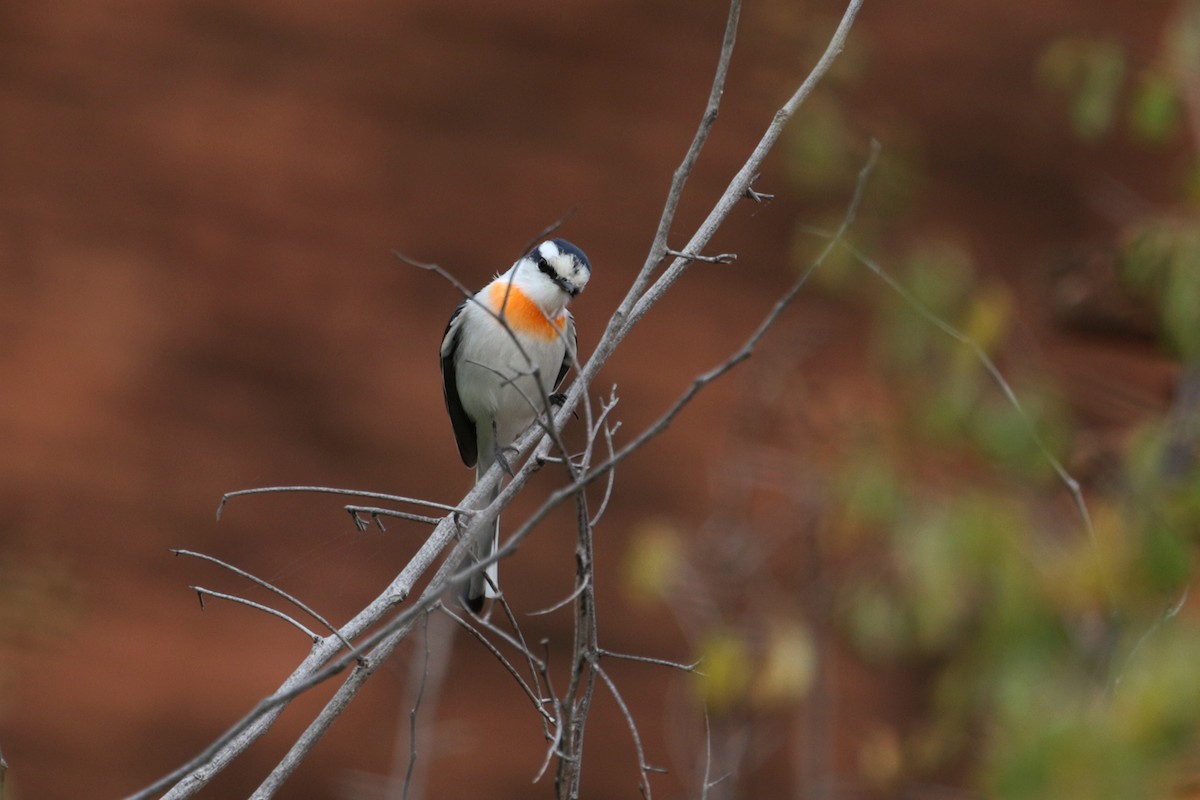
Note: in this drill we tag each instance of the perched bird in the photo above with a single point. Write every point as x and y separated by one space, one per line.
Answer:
514 328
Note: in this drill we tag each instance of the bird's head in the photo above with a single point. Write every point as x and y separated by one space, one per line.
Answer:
564 264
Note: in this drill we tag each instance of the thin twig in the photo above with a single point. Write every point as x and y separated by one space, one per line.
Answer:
577 704
723 258
269 587
546 231
374 512
332 710
998 378
504 662
566 601
611 480
470 297
416 501
662 662
702 381
201 593
412 715
658 246
758 197
537 667
515 643
736 190
643 767
323 661
551 751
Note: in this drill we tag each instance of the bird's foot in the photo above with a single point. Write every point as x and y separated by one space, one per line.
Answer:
502 459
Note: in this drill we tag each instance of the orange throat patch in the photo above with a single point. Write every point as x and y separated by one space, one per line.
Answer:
522 314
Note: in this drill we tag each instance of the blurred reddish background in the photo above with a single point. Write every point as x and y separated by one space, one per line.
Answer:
198 201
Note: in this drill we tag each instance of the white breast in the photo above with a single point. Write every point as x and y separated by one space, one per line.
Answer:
495 379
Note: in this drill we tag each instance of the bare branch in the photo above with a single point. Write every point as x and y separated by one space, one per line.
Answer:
662 662
566 601
375 513
271 588
442 273
703 380
723 258
643 767
546 231
201 592
758 197
658 247
412 716
612 476
741 182
324 661
225 498
998 378
332 710
537 667
709 783
551 752
538 702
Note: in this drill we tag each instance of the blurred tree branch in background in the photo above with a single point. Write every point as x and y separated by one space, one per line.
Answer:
1018 646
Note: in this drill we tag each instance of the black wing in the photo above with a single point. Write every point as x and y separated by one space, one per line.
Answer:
464 426
572 349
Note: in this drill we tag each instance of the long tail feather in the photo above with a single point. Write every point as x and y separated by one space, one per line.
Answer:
478 587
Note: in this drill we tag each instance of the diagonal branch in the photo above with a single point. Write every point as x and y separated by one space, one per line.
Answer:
377 641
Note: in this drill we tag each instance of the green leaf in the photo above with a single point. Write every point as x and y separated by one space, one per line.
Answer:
1156 109
1090 73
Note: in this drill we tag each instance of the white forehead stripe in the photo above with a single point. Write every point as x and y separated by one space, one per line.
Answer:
548 249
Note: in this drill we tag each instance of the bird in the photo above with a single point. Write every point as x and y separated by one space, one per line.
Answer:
496 342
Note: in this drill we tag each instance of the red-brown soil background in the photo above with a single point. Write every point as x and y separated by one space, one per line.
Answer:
198 201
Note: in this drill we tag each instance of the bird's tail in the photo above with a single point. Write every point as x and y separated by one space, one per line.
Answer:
478 587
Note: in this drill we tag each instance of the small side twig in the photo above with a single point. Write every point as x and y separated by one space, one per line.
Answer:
391 498
566 601
643 767
269 587
756 196
412 714
201 593
546 231
375 513
611 481
662 662
323 662
538 702
723 258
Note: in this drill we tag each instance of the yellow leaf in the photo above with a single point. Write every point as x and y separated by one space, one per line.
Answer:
652 562
987 322
724 671
787 673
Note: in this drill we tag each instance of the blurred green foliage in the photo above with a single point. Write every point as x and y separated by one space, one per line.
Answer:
1157 110
1161 253
1063 664
1161 261
1058 646
1090 73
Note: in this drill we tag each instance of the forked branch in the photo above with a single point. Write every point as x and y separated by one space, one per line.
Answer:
379 627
